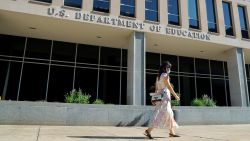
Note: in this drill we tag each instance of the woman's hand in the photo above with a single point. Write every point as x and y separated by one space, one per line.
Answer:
177 98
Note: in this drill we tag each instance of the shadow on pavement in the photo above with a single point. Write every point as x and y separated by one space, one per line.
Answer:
111 137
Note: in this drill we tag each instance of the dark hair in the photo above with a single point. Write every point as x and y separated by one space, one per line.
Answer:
163 67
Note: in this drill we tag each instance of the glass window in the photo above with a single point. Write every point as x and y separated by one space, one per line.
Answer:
128 8
3 74
152 61
219 94
243 23
63 51
47 1
86 80
124 88
109 86
101 5
12 80
150 86
216 68
110 56
186 64
12 45
87 54
38 48
187 90
60 83
203 87
173 12
193 14
202 66
34 82
151 10
73 3
124 58
211 17
247 70
228 18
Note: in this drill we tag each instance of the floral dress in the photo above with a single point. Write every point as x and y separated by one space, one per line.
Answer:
163 116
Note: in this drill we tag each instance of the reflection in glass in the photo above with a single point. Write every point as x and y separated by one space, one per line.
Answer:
243 23
193 14
228 18
187 90
219 93
128 8
211 17
101 5
73 3
173 12
151 10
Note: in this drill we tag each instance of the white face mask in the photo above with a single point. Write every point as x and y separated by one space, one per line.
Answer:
168 71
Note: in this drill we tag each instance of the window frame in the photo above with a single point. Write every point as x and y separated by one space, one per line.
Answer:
215 17
121 4
98 11
231 18
152 11
179 13
70 6
198 16
245 19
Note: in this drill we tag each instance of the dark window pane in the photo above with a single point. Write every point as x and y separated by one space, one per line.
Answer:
187 90
174 81
127 11
63 51
173 12
86 80
227 18
203 87
172 59
124 58
60 83
73 3
212 27
12 80
48 1
38 48
202 66
110 56
34 82
12 45
216 68
243 23
109 86
151 15
124 89
186 64
3 75
228 93
219 94
152 61
248 83
247 70
87 54
101 5
225 67
150 82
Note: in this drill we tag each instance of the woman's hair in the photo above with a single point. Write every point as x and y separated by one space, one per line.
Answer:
163 69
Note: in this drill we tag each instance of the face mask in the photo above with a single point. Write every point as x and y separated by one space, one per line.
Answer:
168 71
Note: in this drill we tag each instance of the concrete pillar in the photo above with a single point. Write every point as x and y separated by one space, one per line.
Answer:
184 14
115 7
220 19
136 69
163 12
88 5
237 77
140 9
203 15
236 20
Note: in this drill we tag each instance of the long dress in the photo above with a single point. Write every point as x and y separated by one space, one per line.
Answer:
163 116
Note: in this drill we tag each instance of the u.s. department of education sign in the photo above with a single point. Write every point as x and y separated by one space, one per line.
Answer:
126 23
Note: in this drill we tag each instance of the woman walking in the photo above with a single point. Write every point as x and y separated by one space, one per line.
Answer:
163 116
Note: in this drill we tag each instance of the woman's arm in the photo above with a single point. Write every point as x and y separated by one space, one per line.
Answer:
167 84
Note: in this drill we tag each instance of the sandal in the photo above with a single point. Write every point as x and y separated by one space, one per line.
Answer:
148 134
173 135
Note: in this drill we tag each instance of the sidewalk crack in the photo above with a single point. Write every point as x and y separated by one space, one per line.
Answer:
38 133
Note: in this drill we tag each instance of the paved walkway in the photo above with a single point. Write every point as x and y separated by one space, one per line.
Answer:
108 133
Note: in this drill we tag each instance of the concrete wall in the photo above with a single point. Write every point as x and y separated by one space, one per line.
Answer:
43 113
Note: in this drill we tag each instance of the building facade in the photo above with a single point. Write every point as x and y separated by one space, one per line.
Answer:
111 49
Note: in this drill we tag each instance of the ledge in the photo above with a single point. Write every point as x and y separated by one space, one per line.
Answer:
40 2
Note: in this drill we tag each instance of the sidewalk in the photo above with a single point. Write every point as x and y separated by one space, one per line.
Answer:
108 133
